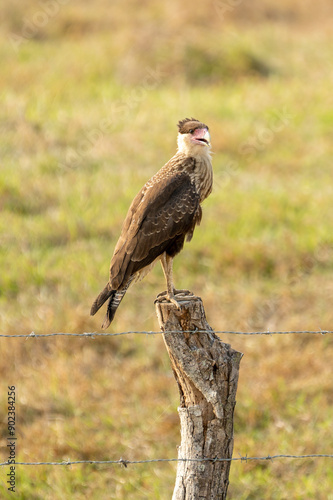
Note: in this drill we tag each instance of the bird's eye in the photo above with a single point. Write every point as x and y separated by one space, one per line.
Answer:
191 131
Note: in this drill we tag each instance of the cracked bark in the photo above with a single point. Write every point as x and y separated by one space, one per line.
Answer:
206 371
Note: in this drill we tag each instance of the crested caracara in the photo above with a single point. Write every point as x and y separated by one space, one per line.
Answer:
162 215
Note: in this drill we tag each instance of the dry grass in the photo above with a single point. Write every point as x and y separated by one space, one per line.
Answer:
78 100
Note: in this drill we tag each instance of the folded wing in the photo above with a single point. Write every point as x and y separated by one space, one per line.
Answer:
159 219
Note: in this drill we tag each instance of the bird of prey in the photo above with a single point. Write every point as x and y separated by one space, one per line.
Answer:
162 215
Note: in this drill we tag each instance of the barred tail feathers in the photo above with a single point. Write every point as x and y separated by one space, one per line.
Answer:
113 304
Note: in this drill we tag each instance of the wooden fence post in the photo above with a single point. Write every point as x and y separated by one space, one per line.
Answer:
206 371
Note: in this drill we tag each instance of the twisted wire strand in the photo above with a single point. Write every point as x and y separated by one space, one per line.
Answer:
125 463
148 332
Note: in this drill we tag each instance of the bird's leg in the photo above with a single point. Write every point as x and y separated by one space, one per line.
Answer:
169 295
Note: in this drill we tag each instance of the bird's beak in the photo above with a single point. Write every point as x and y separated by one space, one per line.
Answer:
207 137
201 136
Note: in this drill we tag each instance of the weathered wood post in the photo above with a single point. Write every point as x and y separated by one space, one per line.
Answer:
206 371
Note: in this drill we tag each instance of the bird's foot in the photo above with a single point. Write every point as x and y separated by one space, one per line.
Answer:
171 297
165 296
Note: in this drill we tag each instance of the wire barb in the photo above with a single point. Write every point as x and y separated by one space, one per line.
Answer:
123 462
87 334
32 334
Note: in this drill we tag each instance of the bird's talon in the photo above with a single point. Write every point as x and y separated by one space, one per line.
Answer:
165 296
175 303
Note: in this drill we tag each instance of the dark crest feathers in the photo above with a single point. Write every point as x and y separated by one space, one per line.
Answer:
184 126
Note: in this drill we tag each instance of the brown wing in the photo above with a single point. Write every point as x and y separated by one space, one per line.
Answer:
165 210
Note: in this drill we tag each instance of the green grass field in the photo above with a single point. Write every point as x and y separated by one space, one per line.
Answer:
90 97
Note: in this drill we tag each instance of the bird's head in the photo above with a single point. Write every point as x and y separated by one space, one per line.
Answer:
193 137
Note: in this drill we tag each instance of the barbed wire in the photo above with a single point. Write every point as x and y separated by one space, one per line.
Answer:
148 332
125 463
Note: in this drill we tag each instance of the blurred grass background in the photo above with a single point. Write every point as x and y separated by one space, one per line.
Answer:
90 97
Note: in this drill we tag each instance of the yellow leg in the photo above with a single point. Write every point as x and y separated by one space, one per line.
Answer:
166 262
